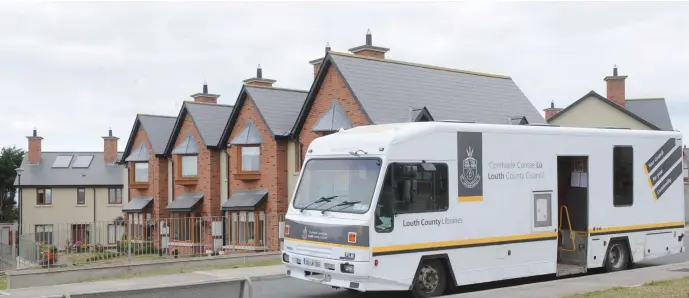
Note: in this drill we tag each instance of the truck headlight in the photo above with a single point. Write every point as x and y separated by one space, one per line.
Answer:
347 268
285 258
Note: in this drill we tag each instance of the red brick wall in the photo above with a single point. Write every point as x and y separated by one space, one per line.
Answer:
157 184
34 154
616 91
369 53
333 87
110 149
273 170
208 178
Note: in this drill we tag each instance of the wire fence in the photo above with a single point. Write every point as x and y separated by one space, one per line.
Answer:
138 237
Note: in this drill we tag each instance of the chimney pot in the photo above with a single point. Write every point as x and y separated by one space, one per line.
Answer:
259 80
204 96
327 47
368 49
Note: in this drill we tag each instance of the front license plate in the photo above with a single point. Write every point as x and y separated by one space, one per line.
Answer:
312 263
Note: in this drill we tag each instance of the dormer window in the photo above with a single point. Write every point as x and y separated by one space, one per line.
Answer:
186 157
140 172
248 143
189 166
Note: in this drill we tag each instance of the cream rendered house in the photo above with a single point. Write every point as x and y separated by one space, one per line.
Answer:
615 110
71 197
618 111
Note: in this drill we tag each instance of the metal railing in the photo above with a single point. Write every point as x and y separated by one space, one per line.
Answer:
138 237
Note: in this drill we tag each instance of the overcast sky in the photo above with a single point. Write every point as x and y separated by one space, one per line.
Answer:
72 70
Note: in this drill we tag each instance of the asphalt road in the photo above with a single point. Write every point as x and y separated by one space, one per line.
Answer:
293 288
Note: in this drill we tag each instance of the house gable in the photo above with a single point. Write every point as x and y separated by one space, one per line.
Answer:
594 110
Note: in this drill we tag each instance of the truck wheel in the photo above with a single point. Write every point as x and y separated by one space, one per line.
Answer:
618 257
430 279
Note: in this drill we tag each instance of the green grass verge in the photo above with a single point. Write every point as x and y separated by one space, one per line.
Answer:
674 288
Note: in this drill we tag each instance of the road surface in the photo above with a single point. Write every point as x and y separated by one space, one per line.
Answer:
293 288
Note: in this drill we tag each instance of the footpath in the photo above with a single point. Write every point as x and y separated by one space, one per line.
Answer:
254 273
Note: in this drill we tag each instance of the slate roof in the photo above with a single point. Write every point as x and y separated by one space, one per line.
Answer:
97 174
386 89
209 119
158 129
278 108
653 110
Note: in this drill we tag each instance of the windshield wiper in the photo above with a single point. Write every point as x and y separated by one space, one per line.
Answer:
321 200
345 203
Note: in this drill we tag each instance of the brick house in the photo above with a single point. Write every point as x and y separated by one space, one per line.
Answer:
197 164
148 175
364 87
257 140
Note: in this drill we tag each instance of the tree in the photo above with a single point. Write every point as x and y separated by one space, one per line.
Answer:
10 159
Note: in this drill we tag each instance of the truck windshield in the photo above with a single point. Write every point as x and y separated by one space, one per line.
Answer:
334 181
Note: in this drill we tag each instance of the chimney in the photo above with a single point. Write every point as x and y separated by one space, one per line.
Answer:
34 155
205 97
259 80
551 111
317 62
110 147
616 89
368 49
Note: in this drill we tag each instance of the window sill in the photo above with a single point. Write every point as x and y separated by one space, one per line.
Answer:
138 185
81 205
114 205
186 181
44 206
248 176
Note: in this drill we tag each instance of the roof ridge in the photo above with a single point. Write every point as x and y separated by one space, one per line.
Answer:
279 88
483 74
208 104
158 116
646 98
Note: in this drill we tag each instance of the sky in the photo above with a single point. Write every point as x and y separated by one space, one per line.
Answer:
72 70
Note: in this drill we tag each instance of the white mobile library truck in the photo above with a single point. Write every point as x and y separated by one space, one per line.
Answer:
433 205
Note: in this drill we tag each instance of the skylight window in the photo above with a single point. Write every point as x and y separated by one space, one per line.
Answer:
83 161
62 161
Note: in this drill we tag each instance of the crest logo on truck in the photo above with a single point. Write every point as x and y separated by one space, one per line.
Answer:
470 176
470 166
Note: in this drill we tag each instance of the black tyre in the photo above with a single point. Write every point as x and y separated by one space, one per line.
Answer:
617 258
430 280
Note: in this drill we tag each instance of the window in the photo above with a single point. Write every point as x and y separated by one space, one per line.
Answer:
246 228
44 196
184 227
298 158
115 196
623 180
81 196
343 179
141 172
250 159
189 165
44 234
411 188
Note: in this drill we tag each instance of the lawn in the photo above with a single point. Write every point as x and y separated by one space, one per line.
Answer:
674 288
